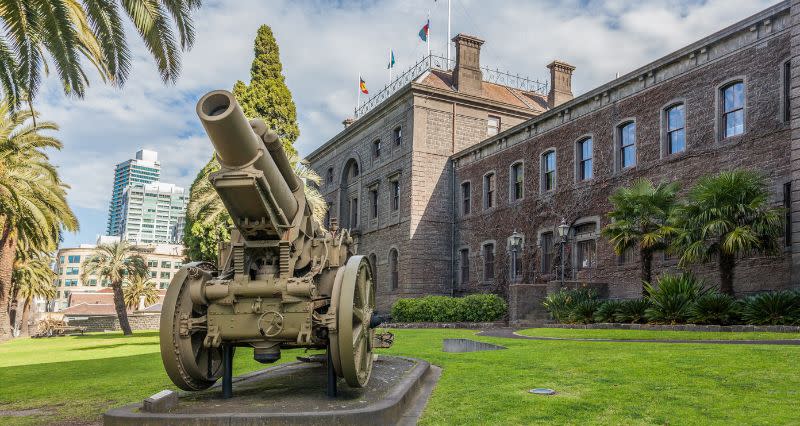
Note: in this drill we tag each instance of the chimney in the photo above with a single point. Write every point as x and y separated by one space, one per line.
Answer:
467 76
560 83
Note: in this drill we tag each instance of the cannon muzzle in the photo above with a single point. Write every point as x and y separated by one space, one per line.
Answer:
239 145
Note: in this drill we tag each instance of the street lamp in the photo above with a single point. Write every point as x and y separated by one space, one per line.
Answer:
563 232
516 242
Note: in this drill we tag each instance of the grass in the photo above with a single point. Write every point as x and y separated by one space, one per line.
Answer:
78 378
571 333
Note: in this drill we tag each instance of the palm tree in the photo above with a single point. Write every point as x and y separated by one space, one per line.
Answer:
33 279
640 216
69 31
140 287
727 216
33 205
115 262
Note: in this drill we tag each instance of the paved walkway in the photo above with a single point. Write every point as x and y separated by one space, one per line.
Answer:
510 333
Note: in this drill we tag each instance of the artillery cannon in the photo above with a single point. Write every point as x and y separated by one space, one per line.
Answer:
283 281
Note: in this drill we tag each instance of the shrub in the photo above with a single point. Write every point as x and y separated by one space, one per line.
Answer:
672 299
561 303
714 308
583 311
632 311
476 307
775 308
607 311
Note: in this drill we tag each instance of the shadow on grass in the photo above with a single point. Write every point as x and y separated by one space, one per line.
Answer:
114 345
117 335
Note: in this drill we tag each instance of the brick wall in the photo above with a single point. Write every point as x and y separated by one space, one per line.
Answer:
111 323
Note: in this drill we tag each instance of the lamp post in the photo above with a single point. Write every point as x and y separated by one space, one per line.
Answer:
516 241
563 232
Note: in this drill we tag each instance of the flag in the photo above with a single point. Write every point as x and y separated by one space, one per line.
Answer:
391 60
423 33
363 86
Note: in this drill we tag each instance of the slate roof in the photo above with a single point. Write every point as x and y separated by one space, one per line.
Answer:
443 80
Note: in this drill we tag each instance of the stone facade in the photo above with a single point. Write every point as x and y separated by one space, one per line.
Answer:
111 323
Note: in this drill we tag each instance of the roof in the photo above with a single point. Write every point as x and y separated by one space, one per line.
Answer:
91 309
443 80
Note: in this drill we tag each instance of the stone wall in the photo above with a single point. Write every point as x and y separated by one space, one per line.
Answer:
111 323
765 146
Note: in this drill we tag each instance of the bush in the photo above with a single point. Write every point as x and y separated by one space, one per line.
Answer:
561 303
775 308
476 307
714 308
583 311
672 299
632 311
607 311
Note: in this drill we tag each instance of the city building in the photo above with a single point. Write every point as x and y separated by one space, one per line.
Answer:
163 261
143 169
471 197
153 213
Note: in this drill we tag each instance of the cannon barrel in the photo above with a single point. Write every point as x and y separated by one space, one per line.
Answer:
238 145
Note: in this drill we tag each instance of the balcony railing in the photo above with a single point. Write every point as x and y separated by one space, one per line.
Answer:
435 62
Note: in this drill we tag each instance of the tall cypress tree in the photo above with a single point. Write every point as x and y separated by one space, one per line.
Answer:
267 98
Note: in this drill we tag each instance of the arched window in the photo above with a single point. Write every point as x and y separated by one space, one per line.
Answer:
394 272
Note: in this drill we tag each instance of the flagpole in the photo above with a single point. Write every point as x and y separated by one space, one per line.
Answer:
448 33
390 65
429 32
358 101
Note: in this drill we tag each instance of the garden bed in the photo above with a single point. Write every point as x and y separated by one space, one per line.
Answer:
680 327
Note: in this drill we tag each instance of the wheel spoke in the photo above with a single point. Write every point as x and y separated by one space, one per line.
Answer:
358 314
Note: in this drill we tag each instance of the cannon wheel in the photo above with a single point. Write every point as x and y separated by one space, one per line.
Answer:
354 300
188 364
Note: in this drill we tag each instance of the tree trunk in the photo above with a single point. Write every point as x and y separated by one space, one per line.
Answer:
23 324
646 273
8 248
119 305
727 263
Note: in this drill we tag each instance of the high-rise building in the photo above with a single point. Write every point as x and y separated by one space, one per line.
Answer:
153 213
143 169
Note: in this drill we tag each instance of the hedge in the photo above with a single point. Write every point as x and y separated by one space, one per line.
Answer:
472 308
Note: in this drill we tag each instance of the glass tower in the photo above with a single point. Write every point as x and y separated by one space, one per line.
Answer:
153 213
144 169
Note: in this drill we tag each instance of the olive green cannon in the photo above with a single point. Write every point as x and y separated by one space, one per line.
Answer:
283 281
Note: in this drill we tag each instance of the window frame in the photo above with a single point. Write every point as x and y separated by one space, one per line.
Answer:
666 141
488 127
720 113
463 267
397 135
394 268
373 199
543 171
546 255
579 160
618 147
466 201
486 263
513 182
376 149
395 188
786 91
489 197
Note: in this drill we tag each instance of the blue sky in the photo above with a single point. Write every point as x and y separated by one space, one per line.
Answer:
324 46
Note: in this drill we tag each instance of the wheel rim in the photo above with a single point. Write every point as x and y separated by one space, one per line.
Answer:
354 299
188 364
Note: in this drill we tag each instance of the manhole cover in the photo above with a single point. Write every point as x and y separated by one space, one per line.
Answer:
542 391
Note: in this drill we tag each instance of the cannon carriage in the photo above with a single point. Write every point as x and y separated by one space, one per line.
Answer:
283 281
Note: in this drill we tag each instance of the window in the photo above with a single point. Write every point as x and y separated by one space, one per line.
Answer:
626 256
93 282
328 215
61 259
488 191
376 148
585 246
585 154
166 264
463 256
676 128
354 169
397 134
393 269
787 205
74 259
787 91
517 179
329 176
492 125
73 271
548 171
165 275
162 285
627 145
178 265
70 283
488 262
466 202
546 246
152 263
395 195
373 196
58 283
152 274
354 212
733 109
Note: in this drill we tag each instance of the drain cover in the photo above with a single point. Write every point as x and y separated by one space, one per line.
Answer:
542 391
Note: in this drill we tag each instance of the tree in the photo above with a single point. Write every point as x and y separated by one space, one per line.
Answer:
68 32
140 287
116 262
640 216
727 216
33 278
33 205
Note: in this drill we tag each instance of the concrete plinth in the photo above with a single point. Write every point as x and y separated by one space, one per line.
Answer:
294 393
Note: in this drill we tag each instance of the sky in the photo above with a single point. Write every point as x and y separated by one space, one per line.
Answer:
324 46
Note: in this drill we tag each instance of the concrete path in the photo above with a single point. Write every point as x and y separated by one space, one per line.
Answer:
510 333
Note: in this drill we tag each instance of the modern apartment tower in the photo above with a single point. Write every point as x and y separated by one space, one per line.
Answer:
153 213
143 169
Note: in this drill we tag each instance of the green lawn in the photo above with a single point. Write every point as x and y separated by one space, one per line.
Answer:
567 333
78 378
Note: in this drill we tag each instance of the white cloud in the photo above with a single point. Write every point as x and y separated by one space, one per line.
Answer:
324 46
